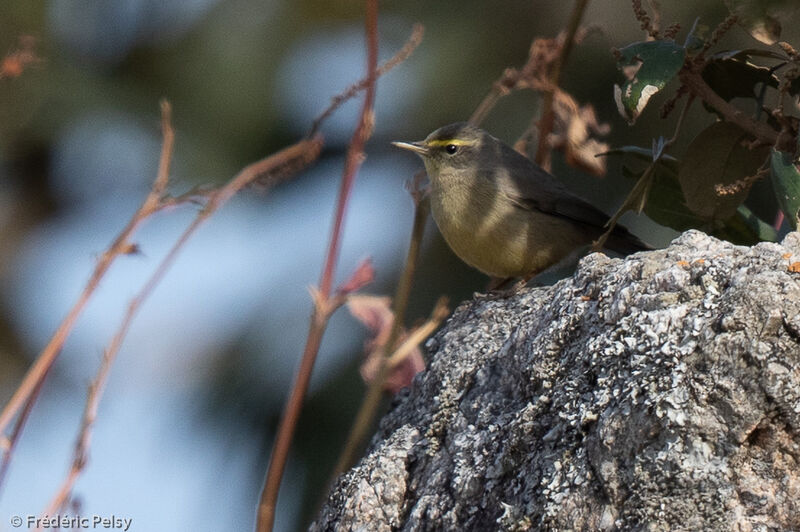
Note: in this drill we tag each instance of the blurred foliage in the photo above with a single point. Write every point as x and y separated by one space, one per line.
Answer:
224 72
718 156
786 180
723 161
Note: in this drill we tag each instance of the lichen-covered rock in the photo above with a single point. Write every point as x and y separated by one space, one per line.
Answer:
658 392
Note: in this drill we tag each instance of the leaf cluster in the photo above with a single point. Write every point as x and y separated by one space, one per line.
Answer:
751 94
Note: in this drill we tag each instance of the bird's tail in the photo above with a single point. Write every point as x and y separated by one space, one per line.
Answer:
625 243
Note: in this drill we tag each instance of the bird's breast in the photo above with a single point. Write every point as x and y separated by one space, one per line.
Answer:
493 234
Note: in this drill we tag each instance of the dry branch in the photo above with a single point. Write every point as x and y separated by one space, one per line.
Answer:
271 170
120 246
321 311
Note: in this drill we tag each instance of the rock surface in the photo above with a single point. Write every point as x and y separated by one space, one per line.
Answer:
659 392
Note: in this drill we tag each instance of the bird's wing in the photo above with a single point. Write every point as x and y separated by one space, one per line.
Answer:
533 188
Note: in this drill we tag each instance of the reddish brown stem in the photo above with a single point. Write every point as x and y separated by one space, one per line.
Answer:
15 434
372 399
355 154
269 170
548 114
121 245
692 79
404 53
321 313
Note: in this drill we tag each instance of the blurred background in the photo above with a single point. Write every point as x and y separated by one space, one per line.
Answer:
185 429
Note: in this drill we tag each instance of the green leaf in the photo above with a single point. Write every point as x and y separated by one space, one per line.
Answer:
759 228
648 67
761 18
744 228
665 204
717 156
732 76
786 184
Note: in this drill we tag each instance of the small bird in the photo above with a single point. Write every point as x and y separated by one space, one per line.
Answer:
501 213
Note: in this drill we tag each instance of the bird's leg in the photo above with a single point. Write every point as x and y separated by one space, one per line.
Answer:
496 289
496 283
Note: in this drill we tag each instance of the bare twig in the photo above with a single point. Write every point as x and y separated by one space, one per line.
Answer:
272 169
508 82
11 442
672 31
740 184
717 34
644 19
392 357
355 155
637 197
545 60
547 121
120 246
655 7
275 167
371 402
690 76
678 124
440 312
669 105
151 204
404 53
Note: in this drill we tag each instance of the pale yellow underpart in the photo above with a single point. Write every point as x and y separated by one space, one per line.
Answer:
488 231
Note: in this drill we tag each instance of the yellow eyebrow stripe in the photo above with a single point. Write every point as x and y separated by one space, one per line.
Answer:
446 142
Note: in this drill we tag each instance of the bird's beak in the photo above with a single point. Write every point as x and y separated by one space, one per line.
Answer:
417 147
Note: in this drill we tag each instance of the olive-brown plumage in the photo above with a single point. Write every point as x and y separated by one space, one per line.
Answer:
500 212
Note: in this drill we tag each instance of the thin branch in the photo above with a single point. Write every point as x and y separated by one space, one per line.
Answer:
372 399
371 402
669 105
535 74
543 152
691 78
120 246
440 312
355 156
672 31
678 124
11 443
655 6
417 31
503 86
165 159
717 34
273 168
644 19
740 185
403 292
637 197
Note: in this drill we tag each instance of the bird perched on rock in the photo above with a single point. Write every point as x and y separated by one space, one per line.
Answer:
500 212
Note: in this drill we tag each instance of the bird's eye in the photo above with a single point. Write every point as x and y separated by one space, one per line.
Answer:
451 148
